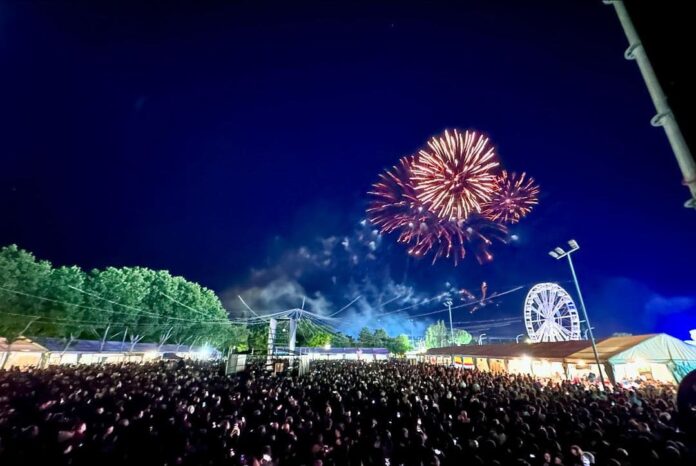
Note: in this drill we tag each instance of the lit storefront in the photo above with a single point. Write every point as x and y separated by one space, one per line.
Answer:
655 357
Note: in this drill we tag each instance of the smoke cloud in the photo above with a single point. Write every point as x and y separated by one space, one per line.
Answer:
328 273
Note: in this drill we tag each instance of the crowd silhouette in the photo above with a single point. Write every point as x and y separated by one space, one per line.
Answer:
340 413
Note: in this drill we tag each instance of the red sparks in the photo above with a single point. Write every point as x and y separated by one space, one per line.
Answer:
514 198
448 200
396 208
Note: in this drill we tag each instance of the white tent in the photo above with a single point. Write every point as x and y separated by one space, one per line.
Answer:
657 357
673 354
20 353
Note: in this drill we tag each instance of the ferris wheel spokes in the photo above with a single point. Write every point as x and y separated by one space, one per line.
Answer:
550 314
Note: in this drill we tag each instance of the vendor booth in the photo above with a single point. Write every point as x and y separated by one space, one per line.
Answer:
654 357
21 353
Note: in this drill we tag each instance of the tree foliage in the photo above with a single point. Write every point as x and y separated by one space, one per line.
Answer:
438 335
399 345
462 337
339 340
380 339
320 339
141 304
365 338
258 339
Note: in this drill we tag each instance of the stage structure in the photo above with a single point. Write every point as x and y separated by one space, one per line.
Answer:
282 333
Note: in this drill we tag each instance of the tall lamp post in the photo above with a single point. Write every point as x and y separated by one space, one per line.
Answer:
559 253
413 339
587 330
448 303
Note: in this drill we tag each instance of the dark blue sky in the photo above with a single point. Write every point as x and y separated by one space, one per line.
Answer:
188 137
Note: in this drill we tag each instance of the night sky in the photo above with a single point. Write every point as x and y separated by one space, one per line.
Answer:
199 137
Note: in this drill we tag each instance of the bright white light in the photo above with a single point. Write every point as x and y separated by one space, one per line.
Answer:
327 346
514 237
204 352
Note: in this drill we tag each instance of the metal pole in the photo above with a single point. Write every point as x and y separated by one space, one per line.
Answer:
664 117
586 330
413 339
449 308
587 320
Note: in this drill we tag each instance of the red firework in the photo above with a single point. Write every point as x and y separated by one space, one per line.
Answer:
514 197
453 176
395 208
454 238
395 205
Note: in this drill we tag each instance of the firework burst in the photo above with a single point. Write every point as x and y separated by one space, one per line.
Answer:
452 239
396 208
395 205
513 198
453 176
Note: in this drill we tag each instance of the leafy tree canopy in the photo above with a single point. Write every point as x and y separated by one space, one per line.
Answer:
129 302
438 335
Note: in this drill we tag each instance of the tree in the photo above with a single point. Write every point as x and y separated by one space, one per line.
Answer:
340 340
306 330
365 338
66 315
134 303
22 278
114 297
258 339
380 338
236 336
437 335
462 337
319 339
399 345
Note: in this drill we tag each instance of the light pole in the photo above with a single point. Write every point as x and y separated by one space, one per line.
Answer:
664 117
517 338
480 338
559 253
413 340
587 330
448 303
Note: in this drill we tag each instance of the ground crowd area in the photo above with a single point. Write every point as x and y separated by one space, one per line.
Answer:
341 413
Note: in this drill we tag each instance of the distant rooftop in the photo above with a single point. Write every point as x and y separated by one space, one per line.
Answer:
321 350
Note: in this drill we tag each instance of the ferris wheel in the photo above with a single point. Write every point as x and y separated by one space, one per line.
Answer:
550 314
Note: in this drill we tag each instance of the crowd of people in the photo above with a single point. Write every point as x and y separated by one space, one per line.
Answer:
340 413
